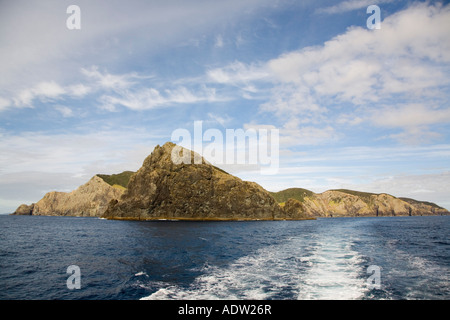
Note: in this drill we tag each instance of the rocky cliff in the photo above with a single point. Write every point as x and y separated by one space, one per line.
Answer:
164 189
90 199
24 210
339 203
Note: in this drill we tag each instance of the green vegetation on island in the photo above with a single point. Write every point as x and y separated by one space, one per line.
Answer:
120 179
293 193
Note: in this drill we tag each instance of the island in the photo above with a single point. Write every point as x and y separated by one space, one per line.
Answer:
166 190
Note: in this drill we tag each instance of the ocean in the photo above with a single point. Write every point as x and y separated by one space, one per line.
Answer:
72 258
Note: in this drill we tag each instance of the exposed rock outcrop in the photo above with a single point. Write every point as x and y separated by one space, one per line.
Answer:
24 210
293 207
90 199
164 189
348 203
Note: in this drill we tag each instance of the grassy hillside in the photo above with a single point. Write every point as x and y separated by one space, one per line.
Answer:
365 196
415 202
300 193
120 179
294 193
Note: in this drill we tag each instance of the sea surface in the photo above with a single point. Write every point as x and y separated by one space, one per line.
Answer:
330 258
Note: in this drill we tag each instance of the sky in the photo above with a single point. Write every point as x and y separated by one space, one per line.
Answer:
355 107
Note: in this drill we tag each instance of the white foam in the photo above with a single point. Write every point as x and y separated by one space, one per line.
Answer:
335 273
281 271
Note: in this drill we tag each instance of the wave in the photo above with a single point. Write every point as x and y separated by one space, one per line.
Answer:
336 273
141 273
421 278
300 268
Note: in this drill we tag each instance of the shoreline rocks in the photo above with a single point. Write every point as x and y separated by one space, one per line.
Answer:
88 200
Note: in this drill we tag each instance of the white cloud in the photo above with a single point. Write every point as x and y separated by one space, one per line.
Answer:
140 100
405 62
410 115
110 81
416 121
293 134
129 90
222 119
4 103
44 91
237 73
289 101
219 41
415 135
37 46
184 95
48 90
65 111
360 61
256 126
149 98
79 90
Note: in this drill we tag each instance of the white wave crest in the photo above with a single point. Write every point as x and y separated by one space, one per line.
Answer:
300 268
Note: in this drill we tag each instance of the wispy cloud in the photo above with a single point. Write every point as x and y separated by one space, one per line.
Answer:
47 92
65 111
109 81
36 43
4 103
150 98
416 121
219 41
365 70
237 73
43 91
112 91
358 77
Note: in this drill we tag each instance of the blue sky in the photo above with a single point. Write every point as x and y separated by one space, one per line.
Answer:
356 108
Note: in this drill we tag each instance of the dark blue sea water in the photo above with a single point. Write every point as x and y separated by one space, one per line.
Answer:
320 259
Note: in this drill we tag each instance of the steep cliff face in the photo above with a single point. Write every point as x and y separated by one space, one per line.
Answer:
164 189
296 207
24 210
348 203
90 199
